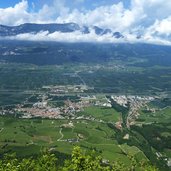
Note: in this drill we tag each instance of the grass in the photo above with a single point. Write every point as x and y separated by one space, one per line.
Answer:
106 114
167 152
160 116
156 130
28 137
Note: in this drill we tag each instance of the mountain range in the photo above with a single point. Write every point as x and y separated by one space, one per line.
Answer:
51 28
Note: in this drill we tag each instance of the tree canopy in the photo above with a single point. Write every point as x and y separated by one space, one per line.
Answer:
79 161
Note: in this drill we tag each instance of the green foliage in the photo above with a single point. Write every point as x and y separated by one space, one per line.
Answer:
46 162
91 162
79 162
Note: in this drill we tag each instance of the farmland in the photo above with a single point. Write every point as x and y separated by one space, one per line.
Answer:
117 103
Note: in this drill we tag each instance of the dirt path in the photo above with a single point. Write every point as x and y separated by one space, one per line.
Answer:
1 129
62 135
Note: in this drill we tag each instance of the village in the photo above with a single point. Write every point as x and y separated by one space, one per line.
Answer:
134 103
70 108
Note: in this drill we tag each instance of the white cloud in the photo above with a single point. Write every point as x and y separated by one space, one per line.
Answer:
60 8
114 17
150 18
19 14
14 15
76 36
162 27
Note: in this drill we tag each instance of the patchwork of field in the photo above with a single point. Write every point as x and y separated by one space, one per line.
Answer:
148 138
156 129
102 113
29 137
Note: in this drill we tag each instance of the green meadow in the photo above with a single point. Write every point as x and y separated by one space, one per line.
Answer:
28 137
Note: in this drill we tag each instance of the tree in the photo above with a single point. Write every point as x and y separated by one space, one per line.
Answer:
79 161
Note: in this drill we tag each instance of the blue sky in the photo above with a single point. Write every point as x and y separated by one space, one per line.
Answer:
87 4
9 3
149 18
35 5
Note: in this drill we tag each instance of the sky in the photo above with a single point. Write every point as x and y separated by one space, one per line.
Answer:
87 4
149 18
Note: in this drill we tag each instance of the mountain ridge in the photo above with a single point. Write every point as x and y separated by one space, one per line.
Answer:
54 27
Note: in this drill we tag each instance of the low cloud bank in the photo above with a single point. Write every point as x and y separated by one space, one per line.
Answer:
78 36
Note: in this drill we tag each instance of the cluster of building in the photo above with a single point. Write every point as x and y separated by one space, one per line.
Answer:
60 89
135 103
124 100
43 110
